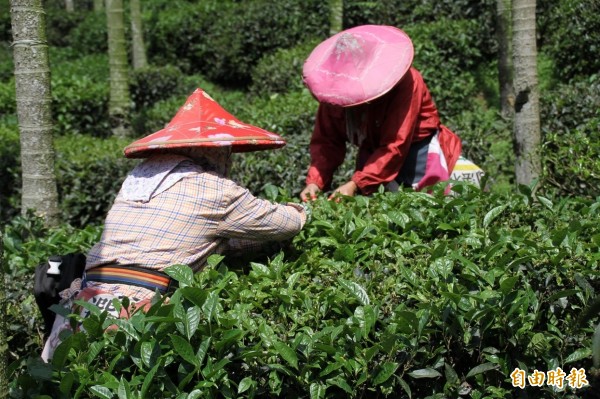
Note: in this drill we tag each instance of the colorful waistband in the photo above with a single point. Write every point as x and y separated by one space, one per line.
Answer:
131 275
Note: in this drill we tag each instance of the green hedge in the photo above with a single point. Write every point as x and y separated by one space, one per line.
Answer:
28 243
89 175
448 60
281 72
396 295
223 41
80 95
405 13
10 166
573 35
570 117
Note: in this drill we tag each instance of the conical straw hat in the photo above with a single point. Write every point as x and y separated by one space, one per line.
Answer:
358 65
202 122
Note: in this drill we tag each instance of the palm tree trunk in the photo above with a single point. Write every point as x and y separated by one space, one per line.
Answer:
32 85
336 16
70 5
98 5
527 114
3 332
137 36
505 65
120 102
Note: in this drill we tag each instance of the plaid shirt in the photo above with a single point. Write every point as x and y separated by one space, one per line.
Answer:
202 214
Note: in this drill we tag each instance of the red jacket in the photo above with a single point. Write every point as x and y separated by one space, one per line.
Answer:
392 122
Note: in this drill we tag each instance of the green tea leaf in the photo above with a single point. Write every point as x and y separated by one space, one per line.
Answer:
124 391
493 214
482 368
356 290
210 306
192 321
195 295
182 273
214 259
578 355
245 384
546 202
101 391
425 373
562 294
387 370
286 353
341 383
195 394
317 391
203 350
149 379
184 349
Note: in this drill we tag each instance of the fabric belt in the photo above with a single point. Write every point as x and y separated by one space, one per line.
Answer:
130 275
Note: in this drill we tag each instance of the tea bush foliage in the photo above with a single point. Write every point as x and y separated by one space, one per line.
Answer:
404 295
397 295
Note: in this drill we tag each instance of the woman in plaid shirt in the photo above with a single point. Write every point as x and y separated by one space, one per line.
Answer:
179 207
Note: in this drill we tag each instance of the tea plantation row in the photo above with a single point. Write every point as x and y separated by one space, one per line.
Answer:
395 295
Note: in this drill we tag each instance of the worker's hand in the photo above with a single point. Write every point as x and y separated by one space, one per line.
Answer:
310 192
348 189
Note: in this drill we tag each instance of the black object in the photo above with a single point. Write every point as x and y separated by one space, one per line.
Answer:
47 286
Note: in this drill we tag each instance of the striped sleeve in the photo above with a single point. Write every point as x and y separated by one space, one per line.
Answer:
249 218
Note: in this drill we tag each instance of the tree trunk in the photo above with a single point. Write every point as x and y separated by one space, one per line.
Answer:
98 5
336 16
70 5
3 332
505 66
32 85
120 103
527 114
137 36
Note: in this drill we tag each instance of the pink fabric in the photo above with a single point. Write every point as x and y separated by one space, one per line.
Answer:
358 64
436 169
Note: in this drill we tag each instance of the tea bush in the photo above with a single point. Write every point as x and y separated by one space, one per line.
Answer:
152 84
396 295
83 164
225 40
446 57
6 64
28 243
281 72
405 14
90 35
570 117
9 170
80 94
487 141
572 34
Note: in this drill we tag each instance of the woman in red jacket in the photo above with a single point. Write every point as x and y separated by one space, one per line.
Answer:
371 97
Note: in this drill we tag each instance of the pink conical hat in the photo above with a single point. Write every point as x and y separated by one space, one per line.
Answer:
358 65
202 122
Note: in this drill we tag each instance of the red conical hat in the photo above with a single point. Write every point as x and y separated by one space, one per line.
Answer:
202 122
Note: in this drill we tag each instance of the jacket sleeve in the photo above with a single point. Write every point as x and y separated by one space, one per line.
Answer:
396 137
327 145
249 218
